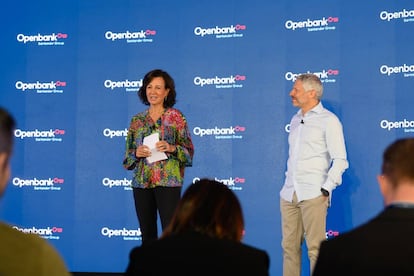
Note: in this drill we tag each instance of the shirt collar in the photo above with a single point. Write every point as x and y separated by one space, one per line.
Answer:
316 109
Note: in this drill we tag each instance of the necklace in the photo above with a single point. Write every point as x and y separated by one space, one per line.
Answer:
155 114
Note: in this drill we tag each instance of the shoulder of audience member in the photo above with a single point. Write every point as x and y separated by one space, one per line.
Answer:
34 246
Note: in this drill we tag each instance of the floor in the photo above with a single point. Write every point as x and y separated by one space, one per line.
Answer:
95 274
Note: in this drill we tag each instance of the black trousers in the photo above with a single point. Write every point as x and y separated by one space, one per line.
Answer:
148 202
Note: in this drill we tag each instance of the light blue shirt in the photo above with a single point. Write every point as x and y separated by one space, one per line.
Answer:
317 154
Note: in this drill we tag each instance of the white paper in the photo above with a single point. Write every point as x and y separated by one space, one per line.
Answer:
150 142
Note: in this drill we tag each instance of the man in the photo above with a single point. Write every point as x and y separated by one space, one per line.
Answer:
21 254
384 245
317 160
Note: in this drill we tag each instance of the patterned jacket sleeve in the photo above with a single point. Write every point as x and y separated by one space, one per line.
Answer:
184 144
130 159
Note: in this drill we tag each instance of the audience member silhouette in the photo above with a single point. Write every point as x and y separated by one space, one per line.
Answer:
203 238
22 254
385 244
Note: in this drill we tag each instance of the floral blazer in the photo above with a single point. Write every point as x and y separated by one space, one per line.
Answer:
172 127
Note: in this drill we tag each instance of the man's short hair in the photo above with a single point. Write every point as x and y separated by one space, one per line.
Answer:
398 161
311 82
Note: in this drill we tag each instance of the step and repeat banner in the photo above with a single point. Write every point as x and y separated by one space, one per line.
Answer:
70 75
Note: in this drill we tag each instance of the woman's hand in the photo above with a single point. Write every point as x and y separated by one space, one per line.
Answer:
143 151
163 146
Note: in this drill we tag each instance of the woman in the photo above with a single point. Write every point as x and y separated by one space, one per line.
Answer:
157 185
210 208
203 238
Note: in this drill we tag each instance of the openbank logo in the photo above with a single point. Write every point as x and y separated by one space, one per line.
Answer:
235 183
111 133
325 76
331 234
51 87
125 234
405 15
142 36
232 81
48 184
130 86
43 39
323 24
406 125
405 70
41 135
287 128
220 133
221 32
117 183
50 232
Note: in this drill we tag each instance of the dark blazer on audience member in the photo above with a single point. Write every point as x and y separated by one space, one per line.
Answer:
383 246
196 254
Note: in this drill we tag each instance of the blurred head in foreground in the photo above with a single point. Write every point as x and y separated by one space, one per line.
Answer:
211 208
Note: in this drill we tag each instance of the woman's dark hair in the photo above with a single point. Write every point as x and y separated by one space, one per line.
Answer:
7 125
169 84
208 207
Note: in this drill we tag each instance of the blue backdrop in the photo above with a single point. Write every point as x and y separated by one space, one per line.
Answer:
71 69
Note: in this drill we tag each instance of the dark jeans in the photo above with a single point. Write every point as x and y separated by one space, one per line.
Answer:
148 202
